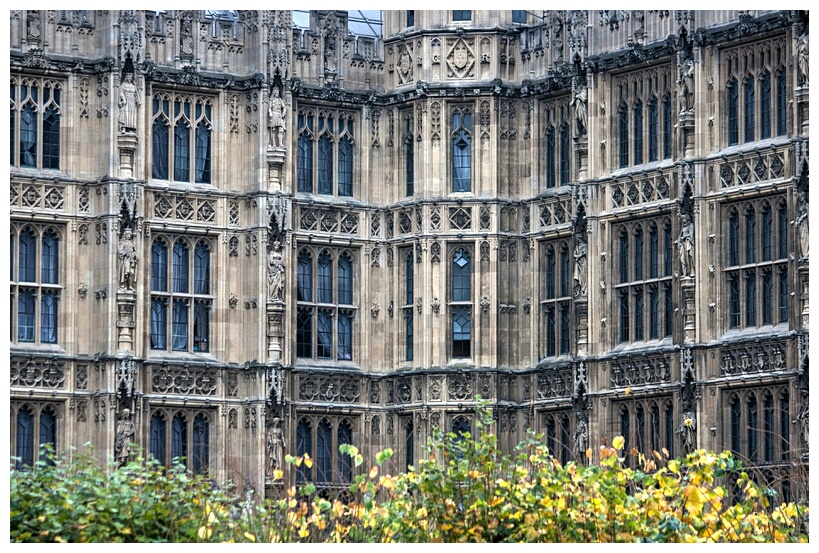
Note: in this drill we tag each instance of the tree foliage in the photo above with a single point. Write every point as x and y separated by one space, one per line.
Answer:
464 490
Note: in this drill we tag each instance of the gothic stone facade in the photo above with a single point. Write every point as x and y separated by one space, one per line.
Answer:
595 220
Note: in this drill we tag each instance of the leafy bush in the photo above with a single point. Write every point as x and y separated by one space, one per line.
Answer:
464 490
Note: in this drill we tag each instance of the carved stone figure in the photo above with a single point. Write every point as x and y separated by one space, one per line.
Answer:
579 103
580 270
581 439
330 55
686 244
802 224
33 23
275 273
128 258
275 447
686 86
688 431
128 101
802 59
186 34
122 441
276 119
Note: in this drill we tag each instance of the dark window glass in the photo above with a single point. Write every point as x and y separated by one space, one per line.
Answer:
324 288
324 452
765 106
410 18
180 267
623 259
783 294
669 429
181 151
409 446
565 437
159 323
733 238
565 150
564 272
667 127
28 136
782 230
736 426
748 96
638 253
639 333
732 99
753 426
653 130
345 467
410 334
767 297
750 298
25 316
201 444
550 158
13 117
51 135
623 127
653 252
550 273
201 269
461 276
654 428
305 163
550 331
768 428
784 426
202 153
25 437
345 280
462 152
158 437
624 322
640 423
304 446
767 233
201 325
565 333
625 428
159 154
461 15
667 250
179 437
668 311
325 165
781 104
28 256
50 258
750 236
461 331
409 162
304 333
638 133
551 436
733 300
345 336
48 318
305 277
518 16
324 334
159 266
653 312
48 433
345 167
180 326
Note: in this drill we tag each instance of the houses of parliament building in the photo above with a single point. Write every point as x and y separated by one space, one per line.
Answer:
241 235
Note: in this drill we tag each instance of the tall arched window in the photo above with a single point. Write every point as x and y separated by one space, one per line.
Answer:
325 158
201 444
25 437
752 427
462 150
324 451
160 141
638 132
669 429
565 154
653 252
784 426
732 101
654 424
640 427
782 230
325 278
625 429
158 437
305 276
550 273
409 305
767 232
748 97
461 303
48 432
159 266
345 279
28 256
409 154
304 446
202 150
623 257
345 167
305 153
50 258
179 437
667 125
653 130
345 467
201 274
733 238
409 445
638 253
750 235
622 120
768 428
765 106
181 140
781 103
180 266
28 134
551 166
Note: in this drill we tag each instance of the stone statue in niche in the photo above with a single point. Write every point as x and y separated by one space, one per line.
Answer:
802 59
580 251
275 273
579 103
122 441
33 23
128 259
686 245
128 101
802 223
581 437
686 86
276 119
186 35
688 431
330 55
802 417
275 447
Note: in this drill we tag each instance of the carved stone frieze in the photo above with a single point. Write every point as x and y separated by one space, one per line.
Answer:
183 380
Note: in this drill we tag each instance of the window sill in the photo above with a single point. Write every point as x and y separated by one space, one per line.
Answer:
34 348
642 347
182 186
650 166
155 355
461 363
306 363
766 331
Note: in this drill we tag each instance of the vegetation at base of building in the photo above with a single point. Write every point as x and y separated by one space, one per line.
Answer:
464 490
